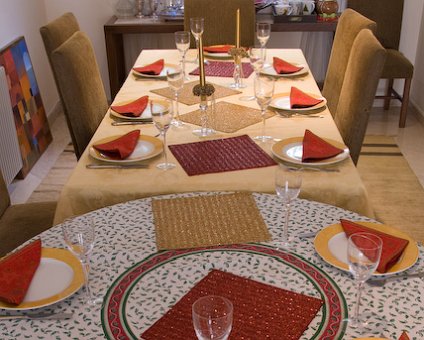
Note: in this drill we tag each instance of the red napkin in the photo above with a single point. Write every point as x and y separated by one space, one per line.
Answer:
300 100
152 69
283 67
218 49
121 147
393 246
17 271
404 336
316 148
133 109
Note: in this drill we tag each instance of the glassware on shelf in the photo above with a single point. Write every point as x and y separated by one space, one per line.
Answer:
264 90
175 80
124 9
139 7
154 5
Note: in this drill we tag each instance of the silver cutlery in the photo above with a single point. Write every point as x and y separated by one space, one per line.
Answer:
379 282
290 114
307 235
116 166
315 169
39 316
131 123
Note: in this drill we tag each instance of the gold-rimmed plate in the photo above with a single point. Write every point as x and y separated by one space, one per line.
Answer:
221 55
331 244
162 75
281 101
147 147
158 105
270 71
291 149
58 276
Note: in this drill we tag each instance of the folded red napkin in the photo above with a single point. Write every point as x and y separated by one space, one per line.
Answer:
152 69
121 147
404 336
17 271
301 100
316 148
393 246
218 49
133 109
283 67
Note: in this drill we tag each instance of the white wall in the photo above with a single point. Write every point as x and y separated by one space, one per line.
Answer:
418 81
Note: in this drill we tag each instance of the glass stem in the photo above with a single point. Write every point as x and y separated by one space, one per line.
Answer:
85 263
177 112
197 49
164 147
183 65
358 300
286 224
263 121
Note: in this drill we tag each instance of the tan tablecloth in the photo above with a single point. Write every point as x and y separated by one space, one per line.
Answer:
87 190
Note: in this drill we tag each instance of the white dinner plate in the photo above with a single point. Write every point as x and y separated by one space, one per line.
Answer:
58 276
281 101
162 75
158 105
270 71
147 147
331 244
291 150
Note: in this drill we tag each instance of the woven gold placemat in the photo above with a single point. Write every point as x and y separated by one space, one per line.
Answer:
208 221
227 117
186 94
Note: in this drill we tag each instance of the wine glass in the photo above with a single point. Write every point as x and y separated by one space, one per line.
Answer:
212 317
255 56
197 26
79 236
363 256
182 41
162 118
263 32
175 79
264 90
287 186
154 4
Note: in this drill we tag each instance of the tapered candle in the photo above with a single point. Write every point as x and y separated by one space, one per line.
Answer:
201 63
238 28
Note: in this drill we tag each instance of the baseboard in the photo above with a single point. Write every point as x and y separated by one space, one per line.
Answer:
55 112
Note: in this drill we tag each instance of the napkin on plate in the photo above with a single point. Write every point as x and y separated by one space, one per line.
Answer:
218 49
119 148
301 100
17 271
283 67
316 148
151 69
393 246
133 109
404 336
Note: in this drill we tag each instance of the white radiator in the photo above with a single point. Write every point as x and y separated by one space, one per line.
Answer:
10 155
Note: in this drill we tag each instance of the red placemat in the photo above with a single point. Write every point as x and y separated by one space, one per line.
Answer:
223 69
219 155
261 311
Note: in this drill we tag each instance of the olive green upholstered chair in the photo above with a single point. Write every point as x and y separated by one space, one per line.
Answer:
388 16
349 25
220 20
20 222
363 72
80 84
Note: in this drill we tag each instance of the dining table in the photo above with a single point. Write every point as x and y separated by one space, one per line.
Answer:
139 283
90 189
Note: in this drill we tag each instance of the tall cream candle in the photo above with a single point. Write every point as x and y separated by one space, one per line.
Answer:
238 28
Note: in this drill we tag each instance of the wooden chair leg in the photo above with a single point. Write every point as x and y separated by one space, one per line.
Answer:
388 94
405 102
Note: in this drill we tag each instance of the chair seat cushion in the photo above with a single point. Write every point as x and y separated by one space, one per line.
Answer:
21 222
396 66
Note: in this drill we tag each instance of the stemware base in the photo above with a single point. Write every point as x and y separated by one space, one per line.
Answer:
368 322
94 301
247 98
204 132
166 166
237 86
263 139
177 123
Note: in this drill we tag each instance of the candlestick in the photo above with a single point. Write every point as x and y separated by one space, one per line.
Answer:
201 63
238 28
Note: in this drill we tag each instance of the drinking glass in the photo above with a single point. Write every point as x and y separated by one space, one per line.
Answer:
263 32
212 317
255 56
287 186
182 41
197 26
154 4
79 236
162 118
176 82
264 90
363 256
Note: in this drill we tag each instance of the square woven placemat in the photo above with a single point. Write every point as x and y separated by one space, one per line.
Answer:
208 221
186 94
223 69
227 117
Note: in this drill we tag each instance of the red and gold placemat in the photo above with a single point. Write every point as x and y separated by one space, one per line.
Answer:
186 94
219 155
207 221
261 311
223 69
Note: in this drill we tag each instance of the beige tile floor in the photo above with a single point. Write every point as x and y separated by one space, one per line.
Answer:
410 140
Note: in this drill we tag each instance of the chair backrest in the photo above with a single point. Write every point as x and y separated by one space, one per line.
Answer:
220 20
4 196
388 16
79 80
363 72
348 27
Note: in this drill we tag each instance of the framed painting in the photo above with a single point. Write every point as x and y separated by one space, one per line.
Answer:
30 118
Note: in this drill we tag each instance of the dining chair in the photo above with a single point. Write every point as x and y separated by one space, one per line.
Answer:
21 222
349 25
363 72
388 16
220 20
83 95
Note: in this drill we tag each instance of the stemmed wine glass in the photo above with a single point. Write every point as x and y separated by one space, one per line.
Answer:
264 90
176 82
287 186
197 26
162 118
255 56
263 32
79 236
363 256
182 41
212 317
154 4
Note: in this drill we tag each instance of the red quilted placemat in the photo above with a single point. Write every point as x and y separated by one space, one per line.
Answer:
223 69
261 311
219 155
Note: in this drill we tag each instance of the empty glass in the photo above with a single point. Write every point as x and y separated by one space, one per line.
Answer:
154 4
176 82
197 26
255 56
263 32
264 90
182 41
212 317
